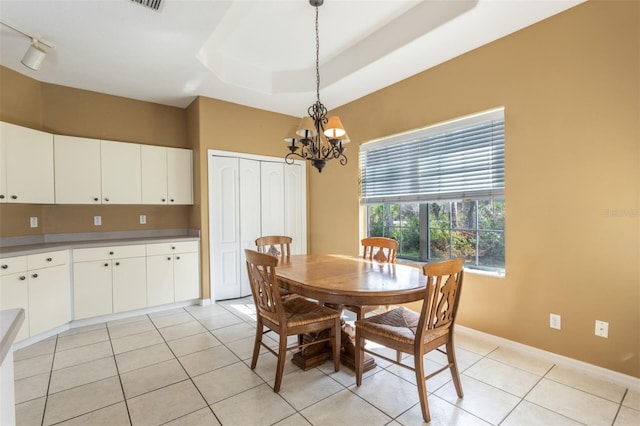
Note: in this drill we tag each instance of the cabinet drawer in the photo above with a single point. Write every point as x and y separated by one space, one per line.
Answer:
43 260
13 265
113 252
172 247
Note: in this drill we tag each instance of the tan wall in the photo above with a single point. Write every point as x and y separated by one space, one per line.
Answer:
226 126
570 88
68 111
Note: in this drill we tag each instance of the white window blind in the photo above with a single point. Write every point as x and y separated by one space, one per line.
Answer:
456 160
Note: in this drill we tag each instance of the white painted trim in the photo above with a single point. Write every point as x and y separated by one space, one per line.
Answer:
621 379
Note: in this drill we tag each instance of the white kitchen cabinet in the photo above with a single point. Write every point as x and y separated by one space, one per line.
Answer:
180 176
108 279
167 176
37 283
77 170
121 173
26 165
173 272
250 196
14 291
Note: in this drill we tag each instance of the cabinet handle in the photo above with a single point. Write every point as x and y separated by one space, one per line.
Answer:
173 247
172 200
35 275
168 258
22 278
49 259
96 199
106 264
164 200
1 196
178 257
14 197
111 253
5 266
106 199
117 263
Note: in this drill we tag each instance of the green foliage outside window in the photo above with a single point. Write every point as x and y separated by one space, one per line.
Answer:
470 229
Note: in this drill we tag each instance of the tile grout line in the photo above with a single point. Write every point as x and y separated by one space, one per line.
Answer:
124 395
46 397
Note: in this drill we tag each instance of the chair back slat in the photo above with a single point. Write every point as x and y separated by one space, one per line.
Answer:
275 245
380 249
265 291
444 284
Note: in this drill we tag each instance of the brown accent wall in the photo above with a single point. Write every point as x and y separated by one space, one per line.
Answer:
571 92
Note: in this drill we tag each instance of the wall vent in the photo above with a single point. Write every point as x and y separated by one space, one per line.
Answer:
151 4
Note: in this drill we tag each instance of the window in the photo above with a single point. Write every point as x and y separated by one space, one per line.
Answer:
439 191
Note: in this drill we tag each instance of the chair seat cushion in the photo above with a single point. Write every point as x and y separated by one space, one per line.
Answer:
399 324
301 311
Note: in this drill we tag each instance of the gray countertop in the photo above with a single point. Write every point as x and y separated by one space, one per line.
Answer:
73 241
10 322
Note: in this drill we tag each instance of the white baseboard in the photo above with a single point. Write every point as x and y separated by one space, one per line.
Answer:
593 370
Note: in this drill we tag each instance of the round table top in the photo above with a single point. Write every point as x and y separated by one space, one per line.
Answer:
347 280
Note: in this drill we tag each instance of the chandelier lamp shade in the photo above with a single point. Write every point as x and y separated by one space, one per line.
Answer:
317 138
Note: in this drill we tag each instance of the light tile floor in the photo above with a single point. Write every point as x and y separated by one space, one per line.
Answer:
191 367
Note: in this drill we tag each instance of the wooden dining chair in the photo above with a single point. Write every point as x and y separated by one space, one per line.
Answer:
418 334
286 317
380 249
276 245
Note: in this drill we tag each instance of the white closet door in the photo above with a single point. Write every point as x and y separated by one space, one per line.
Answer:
250 218
295 218
272 189
225 245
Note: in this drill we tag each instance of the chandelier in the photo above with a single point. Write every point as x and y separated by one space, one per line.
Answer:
317 138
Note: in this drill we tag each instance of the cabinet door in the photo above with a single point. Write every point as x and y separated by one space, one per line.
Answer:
187 276
77 170
180 176
129 284
92 289
154 174
272 198
14 293
29 165
121 173
160 280
48 298
3 165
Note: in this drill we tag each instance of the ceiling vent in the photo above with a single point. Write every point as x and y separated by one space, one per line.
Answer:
151 4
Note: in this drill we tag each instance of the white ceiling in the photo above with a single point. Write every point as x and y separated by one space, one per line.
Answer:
259 53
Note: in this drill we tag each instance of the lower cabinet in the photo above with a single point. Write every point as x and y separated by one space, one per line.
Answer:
38 284
173 272
108 280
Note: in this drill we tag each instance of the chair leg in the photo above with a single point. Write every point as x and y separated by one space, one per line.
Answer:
282 355
422 386
455 375
257 343
336 332
359 357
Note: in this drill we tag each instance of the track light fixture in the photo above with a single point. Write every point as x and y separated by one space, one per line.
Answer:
35 53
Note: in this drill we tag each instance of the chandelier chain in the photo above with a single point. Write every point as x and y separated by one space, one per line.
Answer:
317 57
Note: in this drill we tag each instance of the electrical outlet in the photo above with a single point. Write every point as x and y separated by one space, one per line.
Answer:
33 221
602 329
143 219
97 220
555 321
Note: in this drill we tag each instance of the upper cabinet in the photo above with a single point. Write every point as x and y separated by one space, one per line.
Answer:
26 165
77 165
121 173
166 175
40 168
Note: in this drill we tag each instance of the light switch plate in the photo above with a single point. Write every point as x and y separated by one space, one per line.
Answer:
33 221
97 220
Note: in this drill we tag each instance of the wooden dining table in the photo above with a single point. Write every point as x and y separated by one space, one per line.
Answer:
345 280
